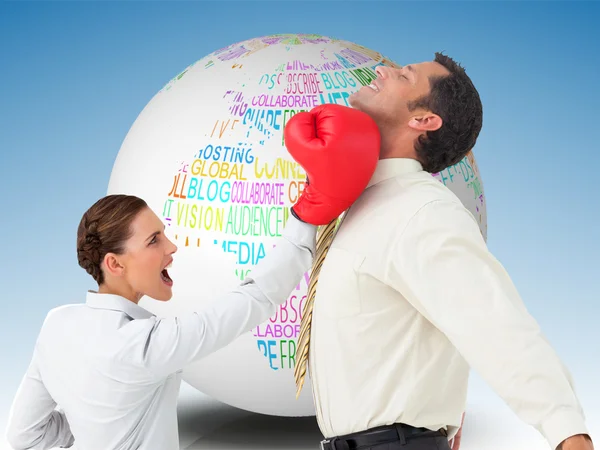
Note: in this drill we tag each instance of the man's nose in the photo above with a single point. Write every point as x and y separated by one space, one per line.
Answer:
384 71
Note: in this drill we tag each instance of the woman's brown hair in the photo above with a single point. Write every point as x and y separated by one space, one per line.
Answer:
104 228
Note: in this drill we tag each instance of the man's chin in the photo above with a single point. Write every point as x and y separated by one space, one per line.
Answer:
357 101
360 105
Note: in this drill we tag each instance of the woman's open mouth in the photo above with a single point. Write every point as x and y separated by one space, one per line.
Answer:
164 275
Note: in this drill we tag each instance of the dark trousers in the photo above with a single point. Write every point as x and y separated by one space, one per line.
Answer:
394 437
424 443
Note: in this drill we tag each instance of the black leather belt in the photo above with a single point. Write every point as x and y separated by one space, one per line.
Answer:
379 435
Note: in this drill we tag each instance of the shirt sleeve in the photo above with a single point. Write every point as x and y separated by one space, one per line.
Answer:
442 266
34 422
172 343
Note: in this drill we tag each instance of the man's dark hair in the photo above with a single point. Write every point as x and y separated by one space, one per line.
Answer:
455 99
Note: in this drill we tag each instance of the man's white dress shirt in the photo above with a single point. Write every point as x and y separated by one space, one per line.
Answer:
114 368
408 298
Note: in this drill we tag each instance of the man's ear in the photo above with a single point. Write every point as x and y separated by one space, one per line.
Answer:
112 265
426 122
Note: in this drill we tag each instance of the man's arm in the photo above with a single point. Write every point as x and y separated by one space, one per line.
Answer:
33 421
167 345
442 266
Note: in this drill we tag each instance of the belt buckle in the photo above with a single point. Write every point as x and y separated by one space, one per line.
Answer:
331 443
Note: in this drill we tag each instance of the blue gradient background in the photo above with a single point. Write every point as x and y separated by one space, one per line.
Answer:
75 76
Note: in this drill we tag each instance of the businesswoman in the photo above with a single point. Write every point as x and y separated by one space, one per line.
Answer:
105 374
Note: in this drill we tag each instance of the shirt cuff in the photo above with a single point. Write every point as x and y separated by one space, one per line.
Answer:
301 234
562 425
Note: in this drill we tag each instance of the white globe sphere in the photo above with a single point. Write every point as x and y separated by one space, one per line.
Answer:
207 154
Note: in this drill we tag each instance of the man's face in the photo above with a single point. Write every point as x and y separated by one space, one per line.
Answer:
386 99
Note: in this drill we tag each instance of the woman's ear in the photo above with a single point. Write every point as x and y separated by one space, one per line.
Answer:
113 265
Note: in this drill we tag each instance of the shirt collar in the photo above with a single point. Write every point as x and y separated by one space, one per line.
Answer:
392 167
116 303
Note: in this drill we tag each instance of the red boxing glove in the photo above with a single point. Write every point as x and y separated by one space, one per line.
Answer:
338 148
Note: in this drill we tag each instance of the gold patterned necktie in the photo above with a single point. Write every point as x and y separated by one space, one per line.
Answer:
324 239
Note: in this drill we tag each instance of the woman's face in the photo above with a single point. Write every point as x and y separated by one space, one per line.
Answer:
148 253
